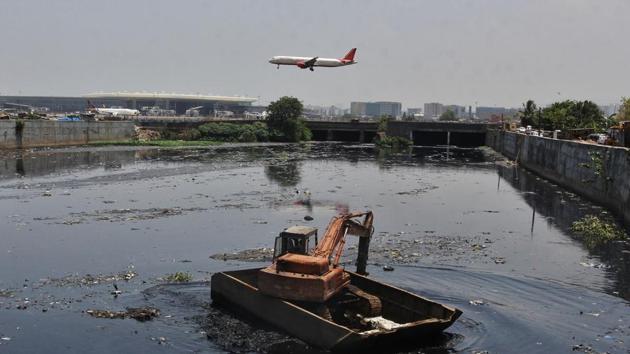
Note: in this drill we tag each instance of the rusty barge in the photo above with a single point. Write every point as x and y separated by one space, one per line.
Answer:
306 293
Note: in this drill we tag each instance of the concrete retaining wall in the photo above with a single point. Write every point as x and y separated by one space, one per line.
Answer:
600 173
7 133
50 133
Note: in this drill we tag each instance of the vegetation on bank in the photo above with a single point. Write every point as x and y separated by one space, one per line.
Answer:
596 231
159 143
233 132
383 141
393 142
565 115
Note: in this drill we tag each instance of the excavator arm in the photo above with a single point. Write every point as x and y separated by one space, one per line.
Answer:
334 238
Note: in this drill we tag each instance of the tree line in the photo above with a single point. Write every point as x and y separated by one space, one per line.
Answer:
571 114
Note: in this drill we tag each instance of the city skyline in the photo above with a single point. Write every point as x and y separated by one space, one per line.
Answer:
472 53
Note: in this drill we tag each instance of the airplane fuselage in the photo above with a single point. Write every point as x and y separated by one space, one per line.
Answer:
311 62
327 62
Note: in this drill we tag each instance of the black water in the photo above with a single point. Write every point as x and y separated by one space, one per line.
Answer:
491 240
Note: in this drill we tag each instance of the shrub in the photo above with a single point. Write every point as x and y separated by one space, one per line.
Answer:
596 232
235 132
178 277
393 142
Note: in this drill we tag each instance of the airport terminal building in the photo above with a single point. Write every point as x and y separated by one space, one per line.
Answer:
179 103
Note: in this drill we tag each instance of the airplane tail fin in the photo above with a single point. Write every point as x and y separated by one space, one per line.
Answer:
350 55
90 106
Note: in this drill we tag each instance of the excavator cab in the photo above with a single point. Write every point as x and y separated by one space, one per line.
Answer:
296 240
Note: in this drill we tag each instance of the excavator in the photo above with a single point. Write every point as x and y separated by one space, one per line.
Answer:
309 271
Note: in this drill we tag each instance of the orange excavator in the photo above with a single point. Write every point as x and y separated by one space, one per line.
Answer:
305 270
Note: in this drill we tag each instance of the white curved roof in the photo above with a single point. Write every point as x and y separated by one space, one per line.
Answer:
169 96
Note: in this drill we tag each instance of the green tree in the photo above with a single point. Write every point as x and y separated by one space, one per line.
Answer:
624 110
382 124
448 116
572 115
285 122
529 114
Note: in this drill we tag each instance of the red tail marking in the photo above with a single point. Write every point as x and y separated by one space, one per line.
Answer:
350 55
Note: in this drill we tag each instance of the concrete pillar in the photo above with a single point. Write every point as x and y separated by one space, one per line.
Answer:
410 134
362 136
329 135
448 138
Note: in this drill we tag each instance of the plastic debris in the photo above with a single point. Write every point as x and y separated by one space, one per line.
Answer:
139 314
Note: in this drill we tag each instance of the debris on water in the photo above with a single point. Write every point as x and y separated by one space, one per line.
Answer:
139 314
235 335
477 247
6 338
106 314
125 215
251 255
594 265
143 314
499 260
308 218
178 277
477 302
89 279
47 194
388 268
6 293
584 349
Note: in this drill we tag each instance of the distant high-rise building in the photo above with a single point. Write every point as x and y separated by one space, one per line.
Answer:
358 109
492 113
433 110
376 109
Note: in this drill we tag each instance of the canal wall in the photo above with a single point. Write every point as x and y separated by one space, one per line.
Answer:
34 133
600 173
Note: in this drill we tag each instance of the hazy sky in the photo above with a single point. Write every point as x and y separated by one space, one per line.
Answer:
494 52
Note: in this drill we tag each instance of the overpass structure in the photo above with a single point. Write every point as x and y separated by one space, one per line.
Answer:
421 133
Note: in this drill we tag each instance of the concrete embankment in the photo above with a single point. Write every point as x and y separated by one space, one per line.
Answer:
600 173
34 133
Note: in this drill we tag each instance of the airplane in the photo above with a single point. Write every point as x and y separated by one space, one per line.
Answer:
311 62
113 111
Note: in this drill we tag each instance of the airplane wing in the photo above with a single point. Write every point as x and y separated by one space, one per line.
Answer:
310 63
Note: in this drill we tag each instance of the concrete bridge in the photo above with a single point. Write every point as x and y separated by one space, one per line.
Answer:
421 133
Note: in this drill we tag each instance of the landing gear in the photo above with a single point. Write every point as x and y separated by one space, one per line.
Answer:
311 69
278 66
